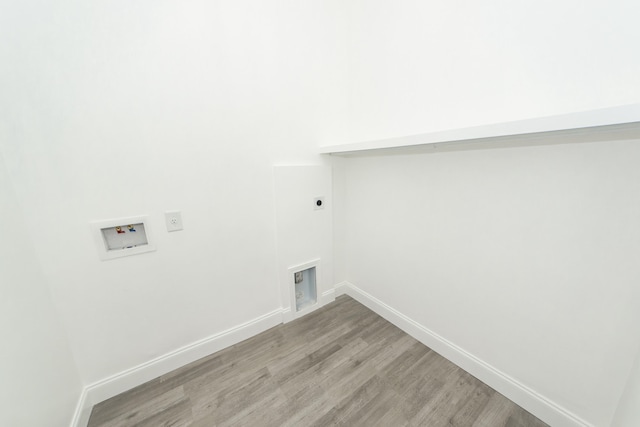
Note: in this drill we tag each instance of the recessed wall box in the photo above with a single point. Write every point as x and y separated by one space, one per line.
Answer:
122 237
303 280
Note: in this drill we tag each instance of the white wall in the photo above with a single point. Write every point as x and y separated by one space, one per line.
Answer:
524 257
304 232
125 108
628 410
40 384
112 109
521 256
418 66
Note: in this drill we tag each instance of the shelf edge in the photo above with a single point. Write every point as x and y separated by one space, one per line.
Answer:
606 119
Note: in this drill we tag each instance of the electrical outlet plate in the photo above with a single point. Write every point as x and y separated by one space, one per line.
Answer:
173 220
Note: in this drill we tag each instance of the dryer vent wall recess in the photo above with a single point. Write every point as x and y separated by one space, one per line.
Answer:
304 287
122 237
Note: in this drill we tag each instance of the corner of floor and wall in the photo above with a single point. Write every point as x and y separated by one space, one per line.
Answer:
539 405
518 264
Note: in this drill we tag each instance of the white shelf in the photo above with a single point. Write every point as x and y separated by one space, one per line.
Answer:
604 120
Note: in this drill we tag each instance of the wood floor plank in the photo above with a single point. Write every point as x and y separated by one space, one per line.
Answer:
424 383
382 407
474 406
305 415
306 363
341 365
357 369
311 398
134 414
402 366
177 415
230 402
293 384
351 404
441 409
306 347
501 412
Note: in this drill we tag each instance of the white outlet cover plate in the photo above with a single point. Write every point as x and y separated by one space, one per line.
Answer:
173 220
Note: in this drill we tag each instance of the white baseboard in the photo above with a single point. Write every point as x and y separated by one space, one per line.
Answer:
538 405
325 298
342 288
123 381
126 380
533 402
328 297
287 315
82 412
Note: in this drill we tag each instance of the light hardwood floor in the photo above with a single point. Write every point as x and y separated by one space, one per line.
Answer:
340 365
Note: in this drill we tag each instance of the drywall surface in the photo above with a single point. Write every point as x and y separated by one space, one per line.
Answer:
628 411
304 230
119 109
418 67
40 385
339 222
524 257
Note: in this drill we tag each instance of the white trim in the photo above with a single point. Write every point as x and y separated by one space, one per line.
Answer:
125 380
543 408
532 401
82 412
328 297
287 315
342 288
